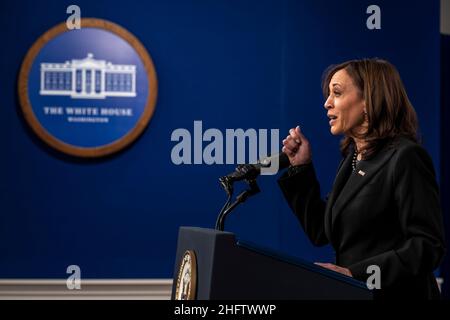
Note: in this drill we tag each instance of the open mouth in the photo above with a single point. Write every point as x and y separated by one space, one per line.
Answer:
332 119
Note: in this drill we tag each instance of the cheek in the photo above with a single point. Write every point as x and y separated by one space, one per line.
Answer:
355 118
349 117
343 119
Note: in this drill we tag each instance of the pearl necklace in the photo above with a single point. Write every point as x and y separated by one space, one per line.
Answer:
354 160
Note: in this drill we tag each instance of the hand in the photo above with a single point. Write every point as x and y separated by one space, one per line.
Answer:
297 147
335 268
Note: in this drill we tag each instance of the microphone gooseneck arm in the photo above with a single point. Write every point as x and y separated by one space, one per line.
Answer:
244 195
228 186
248 173
227 183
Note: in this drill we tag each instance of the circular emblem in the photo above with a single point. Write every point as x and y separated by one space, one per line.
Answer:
187 277
88 92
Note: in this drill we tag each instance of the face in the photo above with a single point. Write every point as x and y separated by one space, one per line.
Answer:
345 105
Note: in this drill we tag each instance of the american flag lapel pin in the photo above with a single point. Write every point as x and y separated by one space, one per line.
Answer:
361 173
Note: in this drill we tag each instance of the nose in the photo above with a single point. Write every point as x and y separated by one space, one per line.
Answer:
328 103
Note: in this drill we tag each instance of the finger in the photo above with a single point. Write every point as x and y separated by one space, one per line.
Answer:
333 268
292 145
288 152
326 265
293 142
299 132
289 140
320 263
295 136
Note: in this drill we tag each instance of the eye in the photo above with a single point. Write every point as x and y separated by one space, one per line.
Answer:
336 93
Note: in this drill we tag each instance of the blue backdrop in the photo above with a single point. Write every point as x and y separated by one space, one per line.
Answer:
231 64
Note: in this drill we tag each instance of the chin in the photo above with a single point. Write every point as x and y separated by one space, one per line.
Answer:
335 131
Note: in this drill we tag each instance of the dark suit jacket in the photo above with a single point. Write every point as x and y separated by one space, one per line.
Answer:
387 213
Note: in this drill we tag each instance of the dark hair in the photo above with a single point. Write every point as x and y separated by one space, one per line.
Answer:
389 111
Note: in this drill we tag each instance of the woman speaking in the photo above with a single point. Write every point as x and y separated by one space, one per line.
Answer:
383 209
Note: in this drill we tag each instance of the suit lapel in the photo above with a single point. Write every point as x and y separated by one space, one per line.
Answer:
338 184
361 176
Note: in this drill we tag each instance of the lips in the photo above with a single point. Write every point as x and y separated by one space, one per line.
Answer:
332 118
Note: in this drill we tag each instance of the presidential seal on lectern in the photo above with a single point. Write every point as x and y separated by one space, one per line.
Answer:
187 277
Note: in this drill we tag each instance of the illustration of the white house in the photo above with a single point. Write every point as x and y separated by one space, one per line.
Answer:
88 78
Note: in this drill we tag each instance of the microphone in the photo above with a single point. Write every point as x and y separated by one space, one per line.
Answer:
268 165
